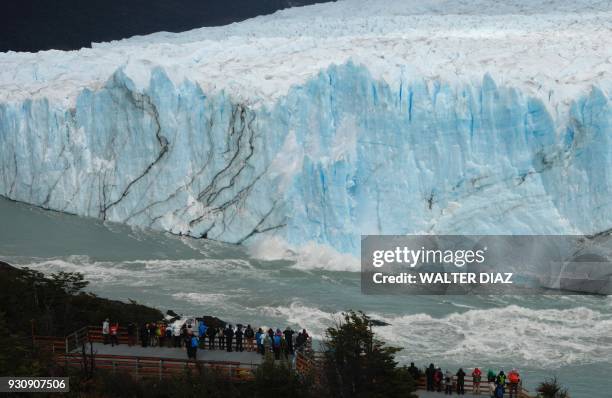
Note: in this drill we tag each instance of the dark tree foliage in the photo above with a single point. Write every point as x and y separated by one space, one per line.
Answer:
551 388
203 383
56 305
271 381
359 365
17 357
279 380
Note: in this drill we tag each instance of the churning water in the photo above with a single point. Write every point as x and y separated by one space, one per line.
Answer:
566 336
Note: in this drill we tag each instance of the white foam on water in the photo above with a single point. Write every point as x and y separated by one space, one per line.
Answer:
541 337
139 272
315 320
310 256
201 298
458 305
548 338
102 272
217 304
181 266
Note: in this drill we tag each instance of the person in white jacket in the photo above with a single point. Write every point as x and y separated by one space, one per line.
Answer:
176 334
105 330
448 383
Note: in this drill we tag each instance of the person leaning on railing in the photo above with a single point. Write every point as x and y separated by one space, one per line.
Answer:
514 380
169 337
211 333
106 330
476 376
491 381
460 382
114 332
131 333
249 335
161 334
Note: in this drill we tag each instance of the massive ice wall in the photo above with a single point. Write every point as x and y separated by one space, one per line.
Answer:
340 155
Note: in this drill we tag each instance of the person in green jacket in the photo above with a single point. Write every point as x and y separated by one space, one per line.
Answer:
491 380
501 381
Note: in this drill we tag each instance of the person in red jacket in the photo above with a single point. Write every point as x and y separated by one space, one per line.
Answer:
476 377
438 377
114 331
514 379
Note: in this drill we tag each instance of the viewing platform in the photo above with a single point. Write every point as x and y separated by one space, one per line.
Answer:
87 344
244 357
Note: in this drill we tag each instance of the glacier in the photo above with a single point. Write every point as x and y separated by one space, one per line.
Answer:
331 136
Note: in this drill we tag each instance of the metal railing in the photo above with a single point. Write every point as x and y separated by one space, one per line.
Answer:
486 388
76 339
140 366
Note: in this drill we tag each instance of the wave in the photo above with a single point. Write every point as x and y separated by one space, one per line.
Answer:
549 338
137 272
315 320
543 337
202 298
217 304
306 257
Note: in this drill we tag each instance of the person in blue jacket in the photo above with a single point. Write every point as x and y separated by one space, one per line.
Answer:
276 341
193 353
259 341
202 332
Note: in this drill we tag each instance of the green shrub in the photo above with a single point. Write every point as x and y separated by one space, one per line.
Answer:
278 379
359 365
551 388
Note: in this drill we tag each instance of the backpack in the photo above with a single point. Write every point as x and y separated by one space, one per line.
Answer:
194 342
513 377
277 341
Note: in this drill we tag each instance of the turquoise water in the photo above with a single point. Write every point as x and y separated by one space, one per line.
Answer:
565 336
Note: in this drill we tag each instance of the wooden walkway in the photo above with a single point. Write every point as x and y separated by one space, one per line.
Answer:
245 357
159 362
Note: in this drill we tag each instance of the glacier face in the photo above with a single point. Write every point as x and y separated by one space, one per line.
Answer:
341 155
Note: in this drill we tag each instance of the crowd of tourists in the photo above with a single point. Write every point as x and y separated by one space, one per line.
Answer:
194 336
495 385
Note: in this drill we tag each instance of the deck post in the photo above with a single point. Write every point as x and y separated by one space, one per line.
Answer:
137 366
161 368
